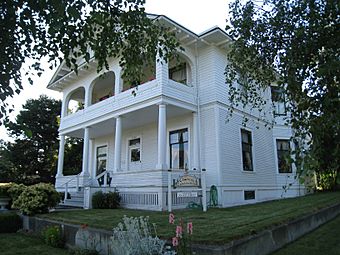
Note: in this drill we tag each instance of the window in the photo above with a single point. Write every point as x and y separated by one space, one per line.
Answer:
179 149
283 154
101 159
249 194
134 150
278 99
247 157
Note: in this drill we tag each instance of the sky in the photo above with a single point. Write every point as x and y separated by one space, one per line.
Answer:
196 15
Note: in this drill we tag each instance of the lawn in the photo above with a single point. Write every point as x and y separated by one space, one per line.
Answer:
215 226
324 240
20 244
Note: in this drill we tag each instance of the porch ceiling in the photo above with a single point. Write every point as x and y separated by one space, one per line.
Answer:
130 120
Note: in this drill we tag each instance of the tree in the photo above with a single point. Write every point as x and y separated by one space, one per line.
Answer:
294 44
33 154
72 29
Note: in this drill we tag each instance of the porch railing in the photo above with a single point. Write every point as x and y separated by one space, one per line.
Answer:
106 178
66 184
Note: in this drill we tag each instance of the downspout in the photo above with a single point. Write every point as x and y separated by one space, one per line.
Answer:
198 109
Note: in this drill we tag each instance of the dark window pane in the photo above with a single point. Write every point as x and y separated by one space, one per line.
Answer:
135 155
283 155
101 159
179 149
247 158
249 194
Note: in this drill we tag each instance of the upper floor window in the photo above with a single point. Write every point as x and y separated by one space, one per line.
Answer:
278 99
247 157
283 154
179 149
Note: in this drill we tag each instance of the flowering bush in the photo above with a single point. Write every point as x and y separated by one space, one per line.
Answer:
181 241
34 199
135 236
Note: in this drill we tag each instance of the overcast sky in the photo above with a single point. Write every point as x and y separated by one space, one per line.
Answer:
196 15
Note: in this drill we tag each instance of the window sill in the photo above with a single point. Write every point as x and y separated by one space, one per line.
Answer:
248 171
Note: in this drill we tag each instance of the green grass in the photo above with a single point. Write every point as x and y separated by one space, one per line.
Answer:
20 244
215 226
324 240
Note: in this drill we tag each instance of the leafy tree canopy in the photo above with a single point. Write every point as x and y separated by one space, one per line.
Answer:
72 29
295 45
33 154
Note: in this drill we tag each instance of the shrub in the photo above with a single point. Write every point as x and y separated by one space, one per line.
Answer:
110 200
136 236
98 200
4 187
15 190
10 222
52 236
37 198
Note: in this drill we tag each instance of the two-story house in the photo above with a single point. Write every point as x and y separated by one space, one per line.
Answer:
177 119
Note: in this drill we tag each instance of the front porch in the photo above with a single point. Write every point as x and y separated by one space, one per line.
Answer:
132 154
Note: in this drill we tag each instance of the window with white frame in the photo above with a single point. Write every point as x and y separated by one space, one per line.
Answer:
179 149
134 150
278 99
283 156
101 159
247 157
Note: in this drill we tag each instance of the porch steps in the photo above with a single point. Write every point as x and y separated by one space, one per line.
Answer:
76 200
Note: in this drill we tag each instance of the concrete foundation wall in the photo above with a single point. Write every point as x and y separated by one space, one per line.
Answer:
262 243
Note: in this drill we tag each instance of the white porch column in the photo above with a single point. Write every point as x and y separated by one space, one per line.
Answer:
118 89
85 169
161 137
196 146
118 144
61 156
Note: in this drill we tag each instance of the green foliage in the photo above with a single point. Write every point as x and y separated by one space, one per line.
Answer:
294 45
16 190
73 156
33 154
71 29
326 180
109 200
136 236
37 198
52 236
4 187
10 222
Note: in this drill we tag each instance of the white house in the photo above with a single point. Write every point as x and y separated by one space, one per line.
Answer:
177 120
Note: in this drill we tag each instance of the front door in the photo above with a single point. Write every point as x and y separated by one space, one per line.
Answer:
134 154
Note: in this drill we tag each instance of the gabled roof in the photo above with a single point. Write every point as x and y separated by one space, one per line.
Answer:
214 36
